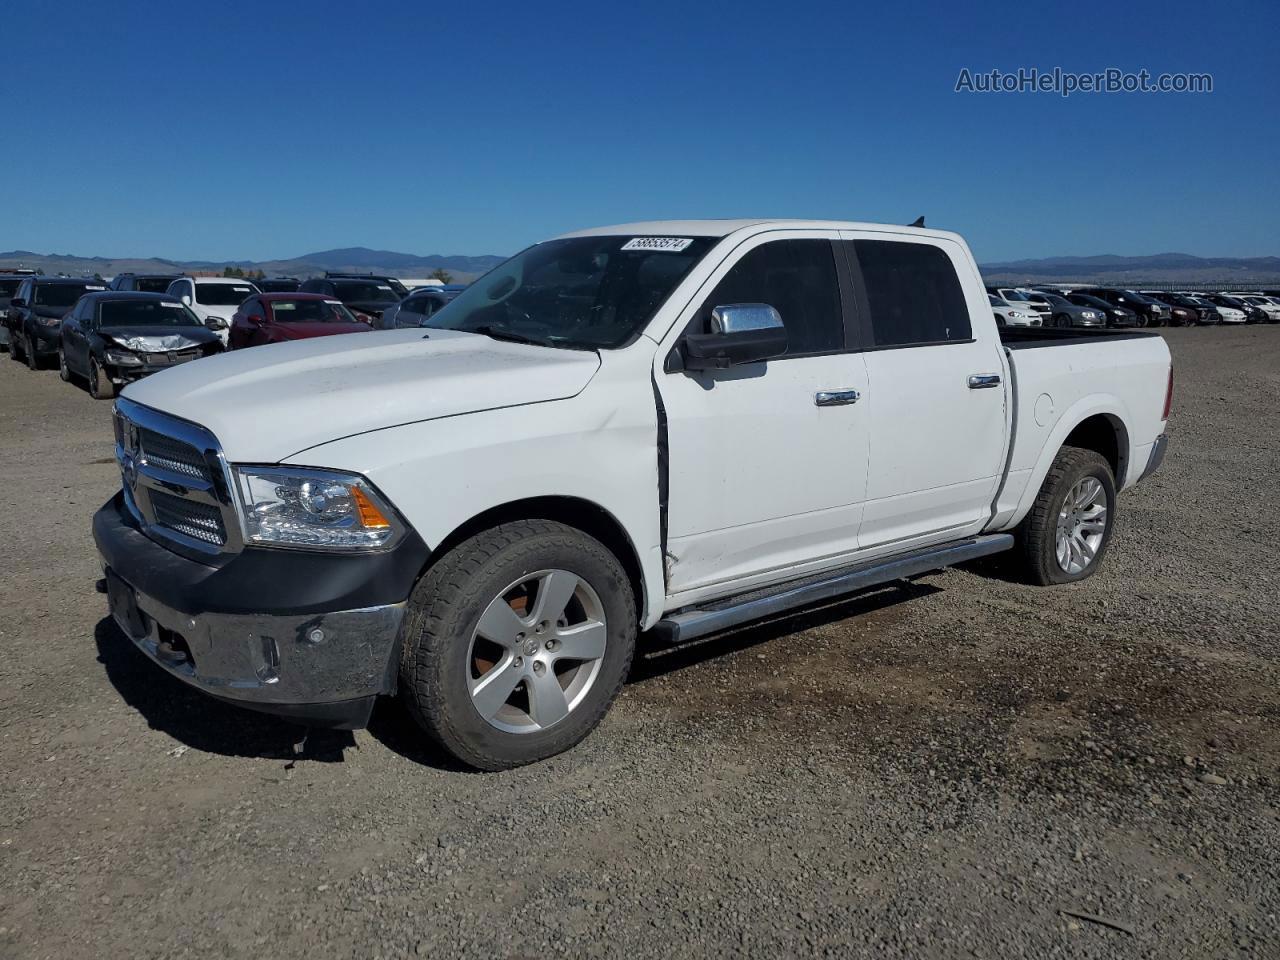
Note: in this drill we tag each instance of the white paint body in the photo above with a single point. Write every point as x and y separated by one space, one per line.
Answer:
188 290
763 485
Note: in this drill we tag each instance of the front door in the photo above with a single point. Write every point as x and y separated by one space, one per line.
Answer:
766 472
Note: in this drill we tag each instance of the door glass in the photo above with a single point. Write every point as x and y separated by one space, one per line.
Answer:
912 293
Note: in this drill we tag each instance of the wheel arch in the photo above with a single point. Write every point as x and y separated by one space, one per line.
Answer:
577 512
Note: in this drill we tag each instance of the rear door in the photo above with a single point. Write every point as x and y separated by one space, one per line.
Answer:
764 475
935 411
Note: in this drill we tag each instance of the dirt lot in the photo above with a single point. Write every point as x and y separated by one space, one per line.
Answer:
933 770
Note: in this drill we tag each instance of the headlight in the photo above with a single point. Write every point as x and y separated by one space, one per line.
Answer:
122 359
1090 315
317 509
1017 313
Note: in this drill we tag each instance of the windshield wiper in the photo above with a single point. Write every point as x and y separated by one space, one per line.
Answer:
510 336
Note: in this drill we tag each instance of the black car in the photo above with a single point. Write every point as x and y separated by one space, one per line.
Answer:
1149 312
1182 310
9 283
366 297
35 315
116 337
1116 316
143 282
414 309
1067 314
278 284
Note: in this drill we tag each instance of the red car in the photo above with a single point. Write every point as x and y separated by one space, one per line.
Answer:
277 317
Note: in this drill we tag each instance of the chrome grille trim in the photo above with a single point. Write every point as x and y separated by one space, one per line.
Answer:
177 482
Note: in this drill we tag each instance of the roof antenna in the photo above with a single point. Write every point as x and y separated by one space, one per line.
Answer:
918 222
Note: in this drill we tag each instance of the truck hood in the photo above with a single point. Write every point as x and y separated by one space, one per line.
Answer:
272 402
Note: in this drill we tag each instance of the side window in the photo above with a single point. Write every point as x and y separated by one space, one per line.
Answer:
798 279
912 293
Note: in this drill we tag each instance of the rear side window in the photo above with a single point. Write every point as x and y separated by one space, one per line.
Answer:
798 279
912 293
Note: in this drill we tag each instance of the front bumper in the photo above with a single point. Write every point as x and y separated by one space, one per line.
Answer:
273 643
45 339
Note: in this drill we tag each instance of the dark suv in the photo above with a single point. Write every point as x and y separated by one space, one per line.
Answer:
1183 311
35 315
365 296
143 282
1149 312
9 283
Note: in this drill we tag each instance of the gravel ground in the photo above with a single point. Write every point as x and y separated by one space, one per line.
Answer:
932 770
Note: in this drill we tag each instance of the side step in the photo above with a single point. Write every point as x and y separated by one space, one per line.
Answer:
730 612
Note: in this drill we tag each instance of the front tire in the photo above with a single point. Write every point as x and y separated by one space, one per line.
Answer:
517 643
64 372
100 385
1068 529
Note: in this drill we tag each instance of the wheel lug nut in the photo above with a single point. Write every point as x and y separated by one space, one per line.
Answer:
551 644
539 668
518 662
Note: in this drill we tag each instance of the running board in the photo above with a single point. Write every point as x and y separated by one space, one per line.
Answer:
757 604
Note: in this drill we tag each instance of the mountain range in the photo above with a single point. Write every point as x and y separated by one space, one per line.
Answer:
353 259
1107 268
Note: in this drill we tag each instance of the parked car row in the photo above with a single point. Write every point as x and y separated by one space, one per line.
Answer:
1069 306
110 334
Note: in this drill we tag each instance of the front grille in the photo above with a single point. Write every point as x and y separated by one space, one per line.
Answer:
196 520
172 455
170 359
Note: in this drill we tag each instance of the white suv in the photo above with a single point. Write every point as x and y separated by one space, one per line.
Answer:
213 299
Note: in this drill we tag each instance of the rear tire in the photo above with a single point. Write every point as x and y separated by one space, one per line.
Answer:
1068 529
477 624
100 385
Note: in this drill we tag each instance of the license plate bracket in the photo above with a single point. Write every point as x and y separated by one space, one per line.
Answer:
122 601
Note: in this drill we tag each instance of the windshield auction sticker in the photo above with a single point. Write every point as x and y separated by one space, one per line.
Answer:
669 244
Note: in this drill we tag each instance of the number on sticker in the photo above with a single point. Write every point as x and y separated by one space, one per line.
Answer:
669 244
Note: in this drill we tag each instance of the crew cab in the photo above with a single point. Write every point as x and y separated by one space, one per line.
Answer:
115 337
677 427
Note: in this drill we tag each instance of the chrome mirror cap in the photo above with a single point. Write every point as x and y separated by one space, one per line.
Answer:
739 317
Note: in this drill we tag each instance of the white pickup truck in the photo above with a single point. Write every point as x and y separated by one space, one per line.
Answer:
674 427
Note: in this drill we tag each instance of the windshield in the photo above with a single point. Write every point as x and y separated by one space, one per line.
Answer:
145 313
1053 298
1083 299
583 292
153 284
222 294
310 311
1135 297
364 291
1013 295
62 294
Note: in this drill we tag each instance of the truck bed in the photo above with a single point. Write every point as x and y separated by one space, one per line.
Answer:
1025 338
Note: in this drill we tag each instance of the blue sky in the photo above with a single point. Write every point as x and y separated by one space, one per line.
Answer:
274 129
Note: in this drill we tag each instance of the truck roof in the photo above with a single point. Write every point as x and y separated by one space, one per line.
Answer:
722 228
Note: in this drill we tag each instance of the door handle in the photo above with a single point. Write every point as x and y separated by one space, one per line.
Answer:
981 381
835 398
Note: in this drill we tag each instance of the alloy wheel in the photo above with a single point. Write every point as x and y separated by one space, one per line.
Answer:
536 651
1082 523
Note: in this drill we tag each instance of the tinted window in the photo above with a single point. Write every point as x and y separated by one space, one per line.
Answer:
152 284
798 279
62 294
8 286
145 313
222 294
912 293
364 291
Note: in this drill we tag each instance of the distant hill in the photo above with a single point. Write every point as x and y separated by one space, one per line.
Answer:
1160 267
356 259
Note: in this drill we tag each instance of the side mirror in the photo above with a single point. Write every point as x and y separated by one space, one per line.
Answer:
186 299
740 333
215 323
17 302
